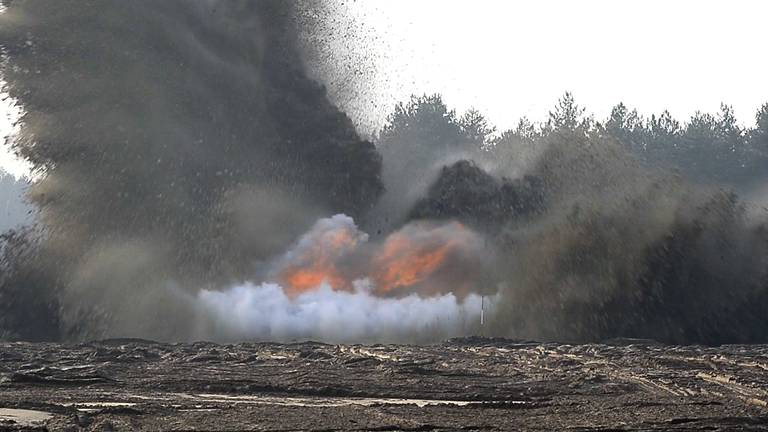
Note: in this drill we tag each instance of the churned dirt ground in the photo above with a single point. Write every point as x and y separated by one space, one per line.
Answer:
467 384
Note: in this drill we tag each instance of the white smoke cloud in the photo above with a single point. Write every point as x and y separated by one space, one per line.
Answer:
265 312
357 312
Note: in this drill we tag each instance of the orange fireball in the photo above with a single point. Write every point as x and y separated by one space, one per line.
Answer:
411 256
315 262
417 257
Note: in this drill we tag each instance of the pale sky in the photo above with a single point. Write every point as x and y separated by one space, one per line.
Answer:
513 58
8 115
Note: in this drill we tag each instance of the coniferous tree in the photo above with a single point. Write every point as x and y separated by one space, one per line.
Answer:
477 130
628 127
568 117
758 137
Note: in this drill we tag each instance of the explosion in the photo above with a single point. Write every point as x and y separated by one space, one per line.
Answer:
182 146
335 285
408 260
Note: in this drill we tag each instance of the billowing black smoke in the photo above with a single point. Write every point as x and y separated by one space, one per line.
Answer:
177 140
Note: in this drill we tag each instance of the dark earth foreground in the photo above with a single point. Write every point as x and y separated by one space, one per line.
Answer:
467 384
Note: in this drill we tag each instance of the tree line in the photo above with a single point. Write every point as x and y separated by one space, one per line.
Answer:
708 148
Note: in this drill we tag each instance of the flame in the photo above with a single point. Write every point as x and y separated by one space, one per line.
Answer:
303 280
407 259
316 263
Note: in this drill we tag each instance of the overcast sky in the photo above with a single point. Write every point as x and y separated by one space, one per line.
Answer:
8 162
514 58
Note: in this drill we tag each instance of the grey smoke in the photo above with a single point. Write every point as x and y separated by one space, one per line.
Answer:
179 143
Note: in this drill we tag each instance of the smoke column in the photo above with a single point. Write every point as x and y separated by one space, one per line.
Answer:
178 142
182 149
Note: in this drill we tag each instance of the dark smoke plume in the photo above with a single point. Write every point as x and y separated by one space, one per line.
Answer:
178 141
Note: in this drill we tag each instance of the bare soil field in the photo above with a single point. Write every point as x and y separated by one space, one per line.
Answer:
464 384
